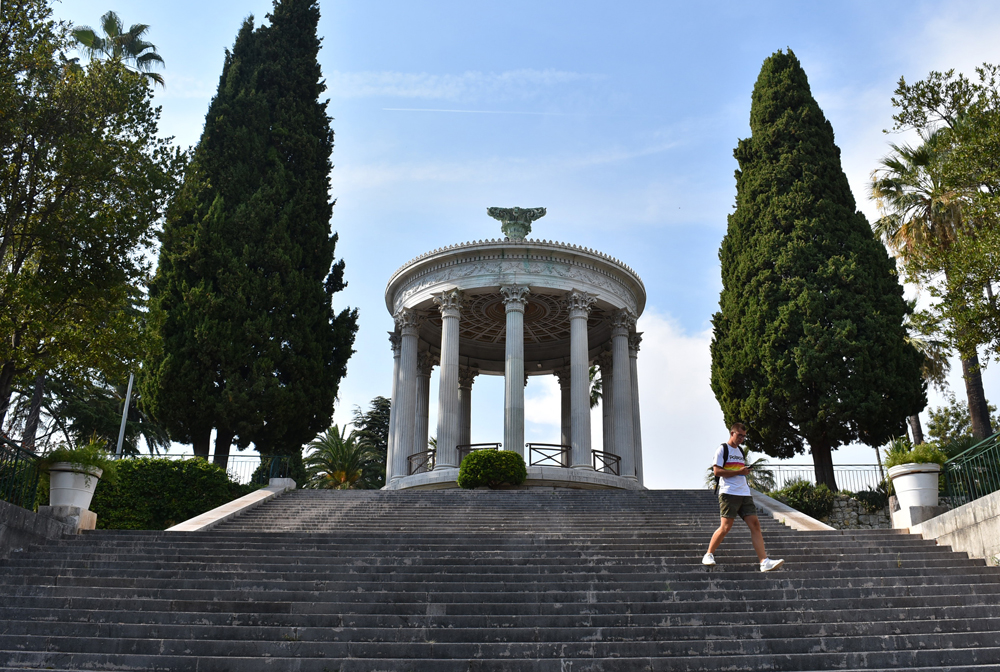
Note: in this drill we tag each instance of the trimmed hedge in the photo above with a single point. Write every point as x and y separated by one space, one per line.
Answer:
492 468
814 501
157 493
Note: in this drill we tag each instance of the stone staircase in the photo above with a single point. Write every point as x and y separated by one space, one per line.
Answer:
562 581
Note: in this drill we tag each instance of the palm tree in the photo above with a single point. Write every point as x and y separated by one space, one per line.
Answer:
596 387
922 216
127 48
340 461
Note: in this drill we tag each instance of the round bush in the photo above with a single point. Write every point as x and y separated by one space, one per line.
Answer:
814 501
492 468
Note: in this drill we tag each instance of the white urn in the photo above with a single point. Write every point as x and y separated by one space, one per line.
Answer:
72 484
916 484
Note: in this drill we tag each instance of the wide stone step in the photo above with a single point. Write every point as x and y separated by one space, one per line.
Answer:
743 654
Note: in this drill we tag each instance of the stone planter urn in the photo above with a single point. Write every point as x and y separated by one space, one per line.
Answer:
72 484
915 484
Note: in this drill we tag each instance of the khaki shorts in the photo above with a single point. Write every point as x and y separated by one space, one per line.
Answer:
732 505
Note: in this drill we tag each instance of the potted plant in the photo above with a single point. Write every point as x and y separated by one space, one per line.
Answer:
74 473
914 472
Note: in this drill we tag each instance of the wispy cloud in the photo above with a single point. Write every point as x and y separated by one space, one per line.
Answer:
470 85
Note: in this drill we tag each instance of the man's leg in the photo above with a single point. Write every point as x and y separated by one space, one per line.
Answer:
755 536
725 525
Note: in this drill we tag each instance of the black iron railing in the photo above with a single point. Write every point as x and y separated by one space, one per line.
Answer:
607 463
974 473
547 454
421 462
466 448
18 474
851 477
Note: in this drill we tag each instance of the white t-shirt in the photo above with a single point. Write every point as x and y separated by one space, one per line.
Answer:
732 485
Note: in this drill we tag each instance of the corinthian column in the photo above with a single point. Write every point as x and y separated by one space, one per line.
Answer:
408 323
621 325
579 305
390 473
565 431
466 375
449 408
515 298
633 354
425 362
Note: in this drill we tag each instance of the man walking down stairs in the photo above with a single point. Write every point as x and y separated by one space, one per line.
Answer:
464 581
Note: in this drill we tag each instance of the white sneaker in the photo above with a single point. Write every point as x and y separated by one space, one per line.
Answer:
770 564
709 560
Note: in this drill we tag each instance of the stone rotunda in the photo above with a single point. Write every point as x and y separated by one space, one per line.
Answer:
515 308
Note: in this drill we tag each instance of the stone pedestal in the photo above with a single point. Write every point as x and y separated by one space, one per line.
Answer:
74 516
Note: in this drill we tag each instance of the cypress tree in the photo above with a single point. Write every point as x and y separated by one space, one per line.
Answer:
809 345
249 342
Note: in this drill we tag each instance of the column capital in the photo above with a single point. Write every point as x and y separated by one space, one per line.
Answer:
634 339
605 360
562 375
449 302
425 362
407 321
394 340
578 303
466 375
515 297
622 323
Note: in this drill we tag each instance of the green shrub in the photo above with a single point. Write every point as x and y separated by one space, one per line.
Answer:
812 500
90 454
157 493
492 468
873 501
922 454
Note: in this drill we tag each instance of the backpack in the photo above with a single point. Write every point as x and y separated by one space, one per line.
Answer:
725 458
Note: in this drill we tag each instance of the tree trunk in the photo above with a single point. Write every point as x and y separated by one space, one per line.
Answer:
823 464
223 440
31 424
7 373
915 429
978 408
200 443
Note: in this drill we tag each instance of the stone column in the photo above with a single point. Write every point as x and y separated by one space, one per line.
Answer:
449 409
390 474
408 323
466 375
425 362
579 304
515 298
633 354
604 360
622 323
565 433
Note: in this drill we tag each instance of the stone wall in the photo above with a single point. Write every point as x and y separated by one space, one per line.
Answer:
849 514
20 528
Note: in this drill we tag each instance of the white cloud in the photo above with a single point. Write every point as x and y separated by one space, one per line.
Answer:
463 87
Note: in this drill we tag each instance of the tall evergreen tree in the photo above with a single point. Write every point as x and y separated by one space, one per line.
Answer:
809 346
249 342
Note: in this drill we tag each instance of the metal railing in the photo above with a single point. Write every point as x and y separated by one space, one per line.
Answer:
852 477
974 473
547 454
19 474
421 462
607 463
466 448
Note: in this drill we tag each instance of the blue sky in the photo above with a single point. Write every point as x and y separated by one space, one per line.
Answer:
621 120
